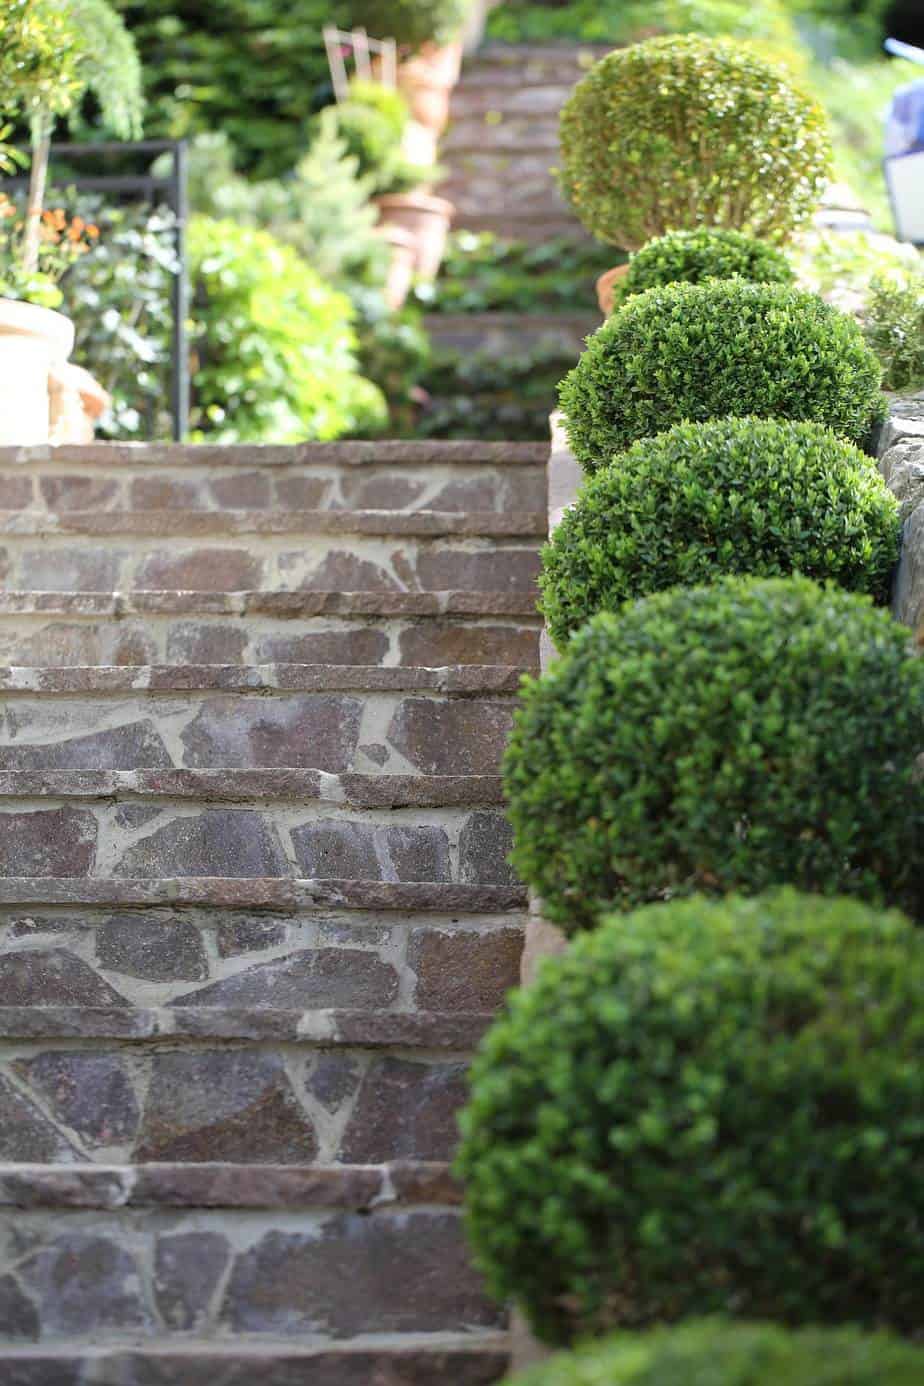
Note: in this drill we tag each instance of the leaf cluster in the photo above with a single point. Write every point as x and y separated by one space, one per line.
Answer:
708 252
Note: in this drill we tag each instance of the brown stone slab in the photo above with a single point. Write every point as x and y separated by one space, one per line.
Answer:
282 605
194 524
224 455
464 679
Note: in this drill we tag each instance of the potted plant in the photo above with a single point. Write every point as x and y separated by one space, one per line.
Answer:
428 35
51 53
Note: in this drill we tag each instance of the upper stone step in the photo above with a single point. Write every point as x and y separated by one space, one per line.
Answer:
269 550
379 721
374 627
398 476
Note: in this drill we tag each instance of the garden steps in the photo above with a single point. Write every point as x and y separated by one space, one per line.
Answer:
505 334
255 909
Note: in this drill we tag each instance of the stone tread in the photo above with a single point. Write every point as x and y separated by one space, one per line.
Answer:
463 679
280 893
150 456
195 524
473 1359
292 605
362 1188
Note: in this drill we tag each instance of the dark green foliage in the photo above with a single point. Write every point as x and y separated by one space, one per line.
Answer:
709 1352
707 253
752 496
708 1108
483 395
893 325
702 351
732 737
681 132
410 22
482 273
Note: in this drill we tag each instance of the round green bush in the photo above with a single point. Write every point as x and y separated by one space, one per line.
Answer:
703 351
683 131
707 253
712 1353
733 737
767 497
707 1107
410 22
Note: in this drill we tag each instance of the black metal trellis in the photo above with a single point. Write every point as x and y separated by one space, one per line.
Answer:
169 188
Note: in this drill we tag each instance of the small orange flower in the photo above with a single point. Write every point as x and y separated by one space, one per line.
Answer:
77 225
92 231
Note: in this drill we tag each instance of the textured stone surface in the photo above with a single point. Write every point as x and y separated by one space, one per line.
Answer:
47 842
135 744
403 1274
213 843
86 1284
154 950
52 977
464 969
340 977
223 1105
335 849
89 1093
405 1110
187 1270
484 846
27 1134
320 732
901 460
18 1317
451 738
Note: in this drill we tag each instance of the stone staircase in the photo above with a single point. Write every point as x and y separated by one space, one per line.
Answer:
502 141
254 903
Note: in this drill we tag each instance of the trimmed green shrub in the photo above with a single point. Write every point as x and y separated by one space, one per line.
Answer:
707 253
712 1353
703 351
371 125
411 22
767 497
274 351
707 1107
893 325
680 132
733 737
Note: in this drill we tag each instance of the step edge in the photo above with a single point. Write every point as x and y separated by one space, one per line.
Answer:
280 894
450 679
203 524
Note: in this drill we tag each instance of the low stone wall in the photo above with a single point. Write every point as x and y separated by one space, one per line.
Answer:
901 461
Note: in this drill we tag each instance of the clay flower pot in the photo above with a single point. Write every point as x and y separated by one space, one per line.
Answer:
426 81
32 341
607 286
402 248
426 218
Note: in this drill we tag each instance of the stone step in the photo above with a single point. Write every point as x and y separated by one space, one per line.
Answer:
377 721
554 222
531 64
124 1267
483 182
402 477
544 100
387 628
238 550
498 131
511 334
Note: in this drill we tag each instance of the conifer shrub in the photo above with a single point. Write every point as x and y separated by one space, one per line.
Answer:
683 131
727 738
703 351
709 252
710 1353
766 497
707 1107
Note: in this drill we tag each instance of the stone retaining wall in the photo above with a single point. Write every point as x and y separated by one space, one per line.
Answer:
901 461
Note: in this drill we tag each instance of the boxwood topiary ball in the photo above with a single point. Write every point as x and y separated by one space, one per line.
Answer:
708 1352
753 496
733 737
707 253
683 131
707 1107
703 351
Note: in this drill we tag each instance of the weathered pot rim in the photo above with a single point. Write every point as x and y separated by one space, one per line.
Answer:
416 201
395 235
19 319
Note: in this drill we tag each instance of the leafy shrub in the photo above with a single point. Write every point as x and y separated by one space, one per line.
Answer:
371 125
712 1353
676 133
484 273
707 1107
274 346
840 267
707 253
410 22
722 738
701 351
893 325
751 496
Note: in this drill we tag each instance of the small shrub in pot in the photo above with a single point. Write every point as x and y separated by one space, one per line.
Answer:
684 131
732 737
707 1107
706 253
707 1352
767 497
704 351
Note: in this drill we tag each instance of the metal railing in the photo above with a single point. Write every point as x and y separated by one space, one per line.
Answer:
168 189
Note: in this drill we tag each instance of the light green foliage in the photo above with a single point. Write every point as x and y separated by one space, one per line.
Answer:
707 1108
732 737
840 267
765 497
706 253
893 325
371 125
701 351
275 346
676 133
411 23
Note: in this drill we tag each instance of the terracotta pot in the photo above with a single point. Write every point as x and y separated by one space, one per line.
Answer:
403 258
426 218
427 80
32 340
607 286
76 401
